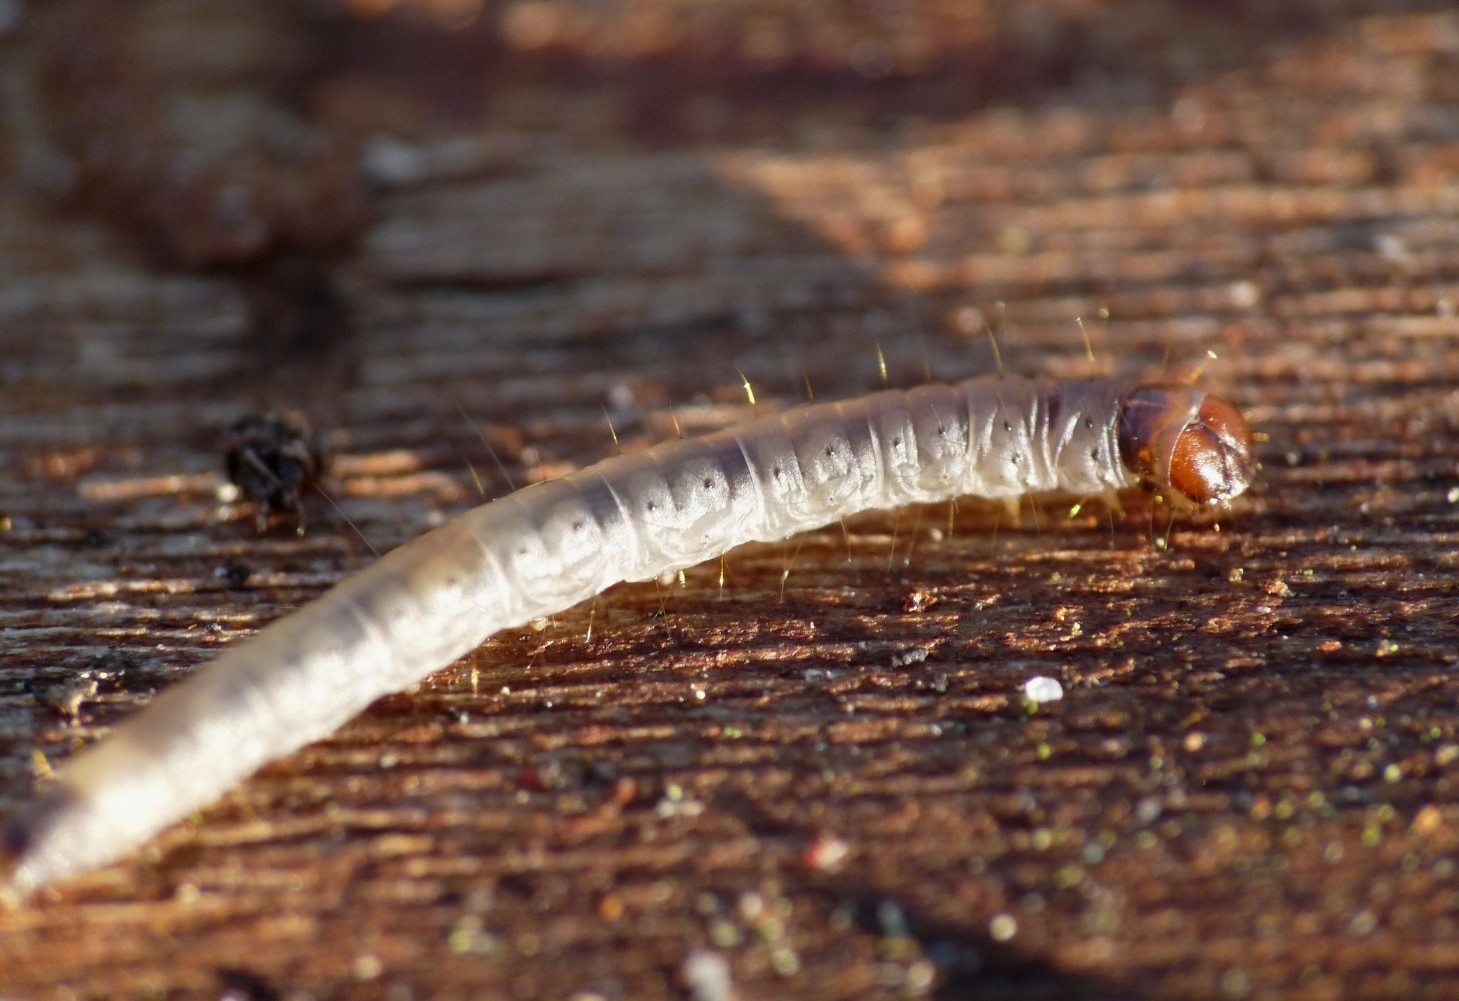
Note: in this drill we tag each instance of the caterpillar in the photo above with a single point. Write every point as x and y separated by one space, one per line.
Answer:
548 546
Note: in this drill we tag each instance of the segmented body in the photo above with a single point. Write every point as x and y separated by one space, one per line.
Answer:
549 546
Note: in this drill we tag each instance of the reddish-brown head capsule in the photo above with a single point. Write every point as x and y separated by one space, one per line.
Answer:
1194 446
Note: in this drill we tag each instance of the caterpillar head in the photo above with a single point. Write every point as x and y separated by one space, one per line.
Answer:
1195 447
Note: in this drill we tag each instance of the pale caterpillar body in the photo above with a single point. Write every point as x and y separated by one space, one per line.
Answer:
551 545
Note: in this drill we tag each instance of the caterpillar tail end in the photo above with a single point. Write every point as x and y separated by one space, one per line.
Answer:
26 864
14 841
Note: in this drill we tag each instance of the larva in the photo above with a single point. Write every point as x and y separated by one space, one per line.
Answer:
544 548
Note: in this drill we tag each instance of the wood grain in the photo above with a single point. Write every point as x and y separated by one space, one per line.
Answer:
559 213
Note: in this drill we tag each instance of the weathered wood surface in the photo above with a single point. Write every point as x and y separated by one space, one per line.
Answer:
1247 790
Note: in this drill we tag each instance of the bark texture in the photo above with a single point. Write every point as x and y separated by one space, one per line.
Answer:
457 237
